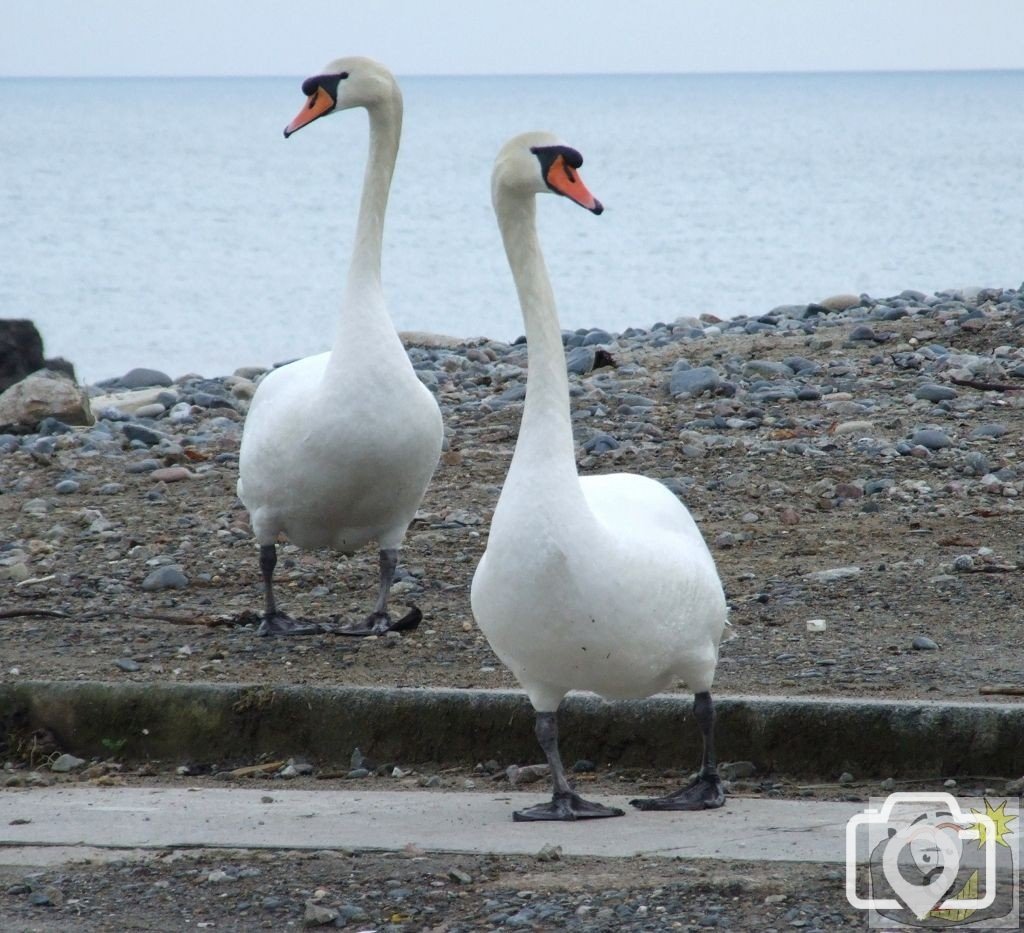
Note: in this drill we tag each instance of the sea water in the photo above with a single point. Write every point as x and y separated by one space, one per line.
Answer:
167 223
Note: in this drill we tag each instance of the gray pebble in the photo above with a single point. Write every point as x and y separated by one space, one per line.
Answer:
140 377
935 393
139 432
66 486
601 443
580 360
168 577
995 429
923 643
127 665
685 381
142 466
66 763
932 438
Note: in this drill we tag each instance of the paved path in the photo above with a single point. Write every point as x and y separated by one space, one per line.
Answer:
55 824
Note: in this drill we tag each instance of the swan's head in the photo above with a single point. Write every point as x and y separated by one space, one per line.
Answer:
343 84
534 163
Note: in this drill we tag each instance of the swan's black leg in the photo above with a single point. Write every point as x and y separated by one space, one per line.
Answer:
705 791
565 803
275 622
379 621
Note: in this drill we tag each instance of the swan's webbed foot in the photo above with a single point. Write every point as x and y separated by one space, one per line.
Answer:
704 792
566 806
280 623
379 623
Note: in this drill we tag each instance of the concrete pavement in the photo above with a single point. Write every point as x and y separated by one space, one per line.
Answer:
57 824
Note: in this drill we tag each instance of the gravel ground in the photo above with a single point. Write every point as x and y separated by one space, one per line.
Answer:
414 891
854 462
845 465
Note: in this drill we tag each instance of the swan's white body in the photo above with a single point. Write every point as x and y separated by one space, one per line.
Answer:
602 583
338 448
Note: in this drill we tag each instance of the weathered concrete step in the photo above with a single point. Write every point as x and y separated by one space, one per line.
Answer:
800 736
168 818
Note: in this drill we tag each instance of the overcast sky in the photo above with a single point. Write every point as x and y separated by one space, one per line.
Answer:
267 37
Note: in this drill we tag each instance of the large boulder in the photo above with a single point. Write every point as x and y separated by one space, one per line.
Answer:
43 394
21 351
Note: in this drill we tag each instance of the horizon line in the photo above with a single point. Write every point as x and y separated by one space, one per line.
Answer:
541 74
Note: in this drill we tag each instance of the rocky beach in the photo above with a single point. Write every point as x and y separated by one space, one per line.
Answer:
854 466
853 463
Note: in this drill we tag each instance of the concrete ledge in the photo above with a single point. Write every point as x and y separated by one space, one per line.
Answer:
221 723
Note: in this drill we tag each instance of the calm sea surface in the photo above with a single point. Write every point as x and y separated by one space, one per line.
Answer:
167 223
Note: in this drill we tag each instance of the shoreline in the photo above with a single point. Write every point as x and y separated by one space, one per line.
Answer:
844 465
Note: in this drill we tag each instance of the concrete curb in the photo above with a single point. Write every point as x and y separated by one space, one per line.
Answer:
798 736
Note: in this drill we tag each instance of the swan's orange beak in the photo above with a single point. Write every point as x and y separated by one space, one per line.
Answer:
564 179
317 104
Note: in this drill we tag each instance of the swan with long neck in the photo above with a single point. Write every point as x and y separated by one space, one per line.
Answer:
600 583
338 448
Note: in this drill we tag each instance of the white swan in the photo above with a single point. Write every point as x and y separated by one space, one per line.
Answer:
602 583
338 448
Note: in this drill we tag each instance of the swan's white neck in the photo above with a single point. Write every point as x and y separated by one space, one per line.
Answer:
364 321
545 453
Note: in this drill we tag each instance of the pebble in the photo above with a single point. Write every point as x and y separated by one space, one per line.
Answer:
168 577
832 575
142 434
171 474
923 643
931 438
935 393
66 486
692 382
127 665
318 916
66 763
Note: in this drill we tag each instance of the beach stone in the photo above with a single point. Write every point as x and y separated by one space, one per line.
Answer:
686 381
65 487
580 360
152 410
994 429
172 474
21 351
43 394
127 665
861 332
51 426
854 427
768 369
317 916
931 438
139 432
127 403
143 466
66 763
601 443
935 393
140 377
840 302
597 337
923 643
168 577
832 575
